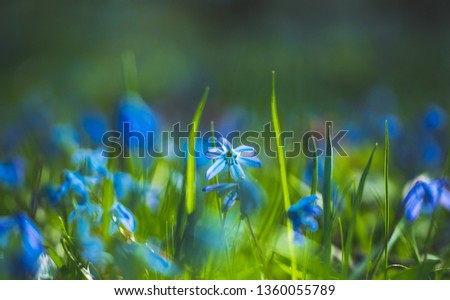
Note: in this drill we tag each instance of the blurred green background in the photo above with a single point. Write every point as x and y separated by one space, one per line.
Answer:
329 56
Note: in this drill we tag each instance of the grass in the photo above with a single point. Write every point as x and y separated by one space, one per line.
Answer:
187 236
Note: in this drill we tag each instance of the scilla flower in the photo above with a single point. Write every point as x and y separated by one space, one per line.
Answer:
249 194
121 217
21 246
425 196
303 214
12 173
226 190
233 158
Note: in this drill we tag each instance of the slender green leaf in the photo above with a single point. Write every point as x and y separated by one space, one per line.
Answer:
283 176
355 208
327 195
386 196
190 169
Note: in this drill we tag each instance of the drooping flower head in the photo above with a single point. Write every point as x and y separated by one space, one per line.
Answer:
92 161
95 125
135 116
233 158
121 217
73 182
303 214
227 191
425 196
21 243
12 173
247 192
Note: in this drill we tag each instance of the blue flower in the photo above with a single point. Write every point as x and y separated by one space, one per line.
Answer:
121 217
12 173
92 160
233 158
424 197
65 137
435 118
134 115
155 260
303 214
247 192
91 246
123 185
22 258
86 212
226 190
74 182
95 125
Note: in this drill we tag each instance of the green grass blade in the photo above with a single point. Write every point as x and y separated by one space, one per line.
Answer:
130 76
283 177
190 169
355 208
107 202
315 171
327 195
386 197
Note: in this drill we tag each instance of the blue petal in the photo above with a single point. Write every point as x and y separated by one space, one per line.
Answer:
123 217
31 243
412 209
252 162
310 222
123 185
12 173
226 145
214 153
304 202
440 192
246 151
215 168
228 201
236 172
218 187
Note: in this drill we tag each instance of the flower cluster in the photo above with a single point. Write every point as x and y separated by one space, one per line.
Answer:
232 159
425 196
302 215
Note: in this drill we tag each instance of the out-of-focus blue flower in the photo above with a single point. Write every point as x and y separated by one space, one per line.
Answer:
93 160
246 191
424 197
95 125
23 238
74 182
151 197
135 258
91 247
65 137
155 260
121 217
303 214
250 196
435 118
123 185
432 155
233 158
86 212
226 190
12 173
134 115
